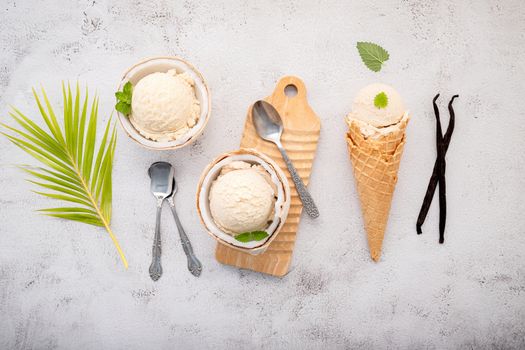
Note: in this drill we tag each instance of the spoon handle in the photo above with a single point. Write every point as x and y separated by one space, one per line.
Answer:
308 202
194 265
155 269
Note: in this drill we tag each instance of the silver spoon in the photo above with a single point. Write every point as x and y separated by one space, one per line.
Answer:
161 174
269 126
194 265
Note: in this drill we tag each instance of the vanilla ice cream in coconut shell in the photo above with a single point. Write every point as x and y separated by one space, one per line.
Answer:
242 198
241 192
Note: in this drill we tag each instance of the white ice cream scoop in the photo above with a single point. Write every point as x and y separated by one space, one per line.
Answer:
164 106
241 200
365 109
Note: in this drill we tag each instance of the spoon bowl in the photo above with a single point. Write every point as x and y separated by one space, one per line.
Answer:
161 174
267 121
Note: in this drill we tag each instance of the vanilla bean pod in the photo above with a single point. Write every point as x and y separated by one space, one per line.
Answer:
441 176
433 180
439 167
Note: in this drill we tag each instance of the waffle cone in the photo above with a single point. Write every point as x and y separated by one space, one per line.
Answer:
376 161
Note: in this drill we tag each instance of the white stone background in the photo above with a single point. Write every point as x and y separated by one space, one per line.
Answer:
62 284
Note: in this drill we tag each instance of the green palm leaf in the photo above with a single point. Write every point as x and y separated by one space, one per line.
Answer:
73 169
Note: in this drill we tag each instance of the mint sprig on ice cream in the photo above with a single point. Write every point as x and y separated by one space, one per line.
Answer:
124 99
251 236
381 100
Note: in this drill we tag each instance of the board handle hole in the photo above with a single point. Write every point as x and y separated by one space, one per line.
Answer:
290 90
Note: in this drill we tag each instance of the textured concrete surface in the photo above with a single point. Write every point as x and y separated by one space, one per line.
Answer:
62 285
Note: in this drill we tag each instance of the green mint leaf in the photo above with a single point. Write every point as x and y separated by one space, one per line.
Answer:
123 107
381 100
251 236
128 88
122 96
373 55
124 99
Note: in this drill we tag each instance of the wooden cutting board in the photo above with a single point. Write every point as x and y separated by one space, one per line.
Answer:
301 134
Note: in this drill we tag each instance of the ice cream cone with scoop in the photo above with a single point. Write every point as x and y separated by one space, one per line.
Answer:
376 138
